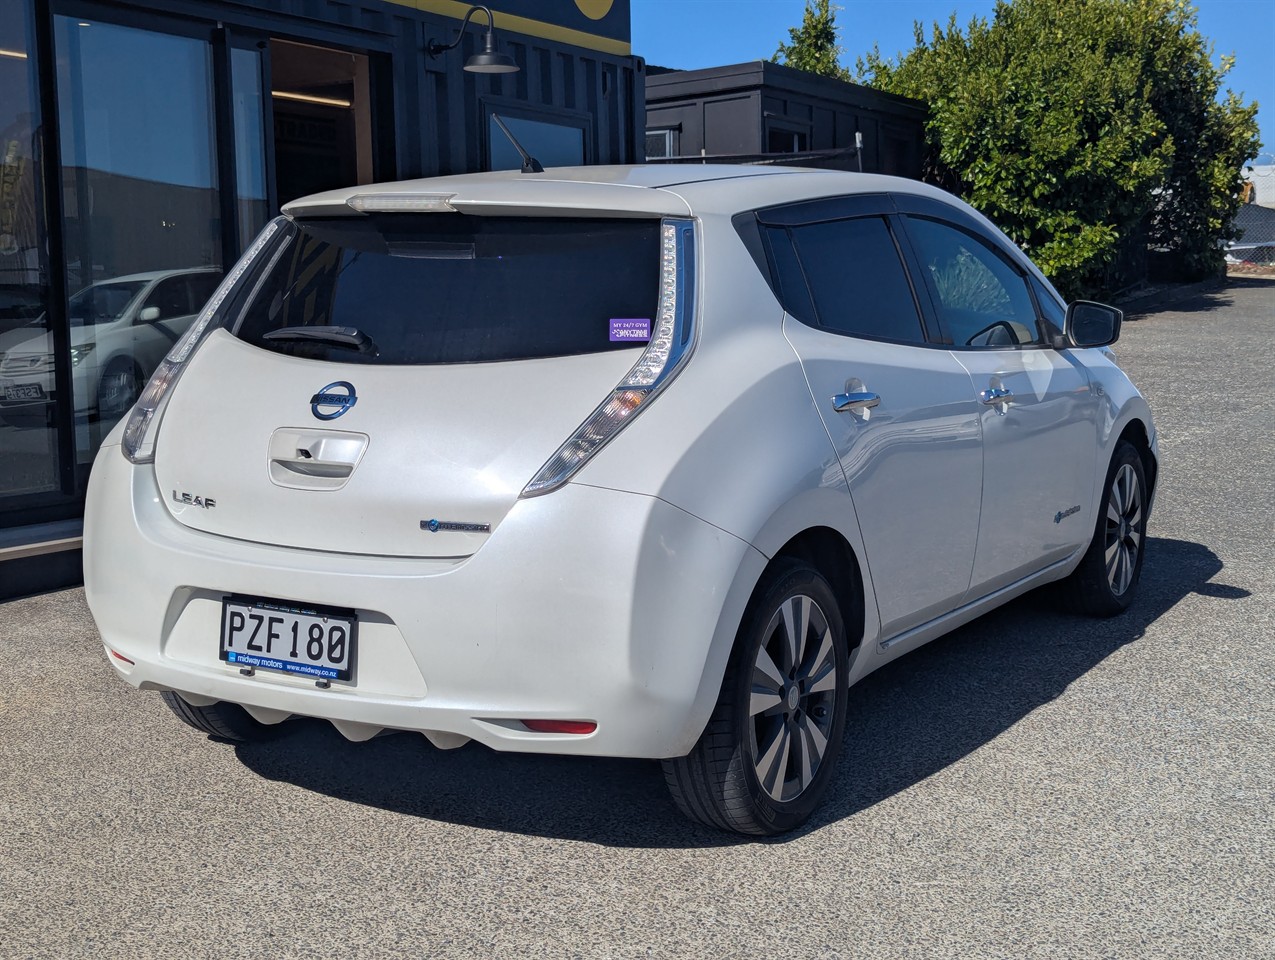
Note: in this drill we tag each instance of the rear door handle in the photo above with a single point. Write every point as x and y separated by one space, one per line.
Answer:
994 396
854 402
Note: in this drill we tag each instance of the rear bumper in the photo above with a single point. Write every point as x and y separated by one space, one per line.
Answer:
585 604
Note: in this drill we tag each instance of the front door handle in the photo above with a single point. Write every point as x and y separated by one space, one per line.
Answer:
995 396
854 402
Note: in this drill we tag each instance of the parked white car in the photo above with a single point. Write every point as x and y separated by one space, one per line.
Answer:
623 461
120 330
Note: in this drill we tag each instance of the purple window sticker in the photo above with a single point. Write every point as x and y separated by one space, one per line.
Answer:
637 331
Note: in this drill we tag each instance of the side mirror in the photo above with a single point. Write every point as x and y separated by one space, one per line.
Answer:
148 315
1092 324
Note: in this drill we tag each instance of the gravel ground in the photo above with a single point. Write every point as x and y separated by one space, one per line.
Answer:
1034 785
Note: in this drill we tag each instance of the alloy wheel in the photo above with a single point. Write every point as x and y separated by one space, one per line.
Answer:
1123 538
792 703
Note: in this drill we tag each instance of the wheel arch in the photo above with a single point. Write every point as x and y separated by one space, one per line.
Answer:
820 527
1136 434
830 553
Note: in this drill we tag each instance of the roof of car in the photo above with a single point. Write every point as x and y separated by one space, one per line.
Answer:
682 189
155 275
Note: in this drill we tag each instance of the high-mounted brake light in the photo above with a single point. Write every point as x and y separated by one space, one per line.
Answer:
401 202
139 432
672 339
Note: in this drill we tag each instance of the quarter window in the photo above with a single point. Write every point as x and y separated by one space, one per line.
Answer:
857 280
1050 307
982 300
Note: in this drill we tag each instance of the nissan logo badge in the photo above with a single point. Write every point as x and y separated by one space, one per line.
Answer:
334 403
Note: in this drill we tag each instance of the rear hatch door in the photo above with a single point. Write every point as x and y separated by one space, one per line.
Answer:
396 380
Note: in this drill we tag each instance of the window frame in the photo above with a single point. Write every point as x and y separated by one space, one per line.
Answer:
766 221
672 136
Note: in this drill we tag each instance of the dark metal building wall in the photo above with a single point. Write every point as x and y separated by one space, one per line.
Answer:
437 111
552 78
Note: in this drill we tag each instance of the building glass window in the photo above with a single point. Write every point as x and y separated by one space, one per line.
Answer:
28 432
786 140
140 203
662 143
553 144
250 143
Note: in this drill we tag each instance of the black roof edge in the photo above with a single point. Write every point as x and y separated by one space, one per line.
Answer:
681 84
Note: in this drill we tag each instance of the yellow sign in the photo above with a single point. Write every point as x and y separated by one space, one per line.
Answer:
595 9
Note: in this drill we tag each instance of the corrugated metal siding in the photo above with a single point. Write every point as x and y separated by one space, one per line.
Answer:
439 123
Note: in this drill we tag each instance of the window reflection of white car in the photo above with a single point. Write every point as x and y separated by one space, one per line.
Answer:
120 330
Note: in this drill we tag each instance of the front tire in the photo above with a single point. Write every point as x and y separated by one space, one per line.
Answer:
1106 581
769 751
229 721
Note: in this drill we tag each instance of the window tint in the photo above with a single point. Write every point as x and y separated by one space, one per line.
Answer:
857 280
449 288
982 300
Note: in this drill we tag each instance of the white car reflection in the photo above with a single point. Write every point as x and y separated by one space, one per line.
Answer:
120 330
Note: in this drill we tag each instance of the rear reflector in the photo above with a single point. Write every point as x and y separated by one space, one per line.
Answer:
578 727
120 656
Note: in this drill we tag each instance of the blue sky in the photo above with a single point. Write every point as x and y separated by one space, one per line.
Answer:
688 34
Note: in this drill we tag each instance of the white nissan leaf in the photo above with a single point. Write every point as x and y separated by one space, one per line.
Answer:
619 461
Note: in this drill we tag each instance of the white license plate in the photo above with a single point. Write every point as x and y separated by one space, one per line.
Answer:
24 391
291 638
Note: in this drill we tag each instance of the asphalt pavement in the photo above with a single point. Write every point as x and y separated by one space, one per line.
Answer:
1033 785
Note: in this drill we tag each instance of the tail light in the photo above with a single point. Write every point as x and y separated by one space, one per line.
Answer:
672 339
143 422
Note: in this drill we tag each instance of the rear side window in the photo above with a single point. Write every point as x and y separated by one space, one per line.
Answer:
857 280
845 276
450 288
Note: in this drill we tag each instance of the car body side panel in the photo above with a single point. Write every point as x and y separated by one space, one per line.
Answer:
1038 462
913 464
736 435
1120 405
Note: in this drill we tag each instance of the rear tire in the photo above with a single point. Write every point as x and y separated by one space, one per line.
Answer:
229 721
1106 581
769 751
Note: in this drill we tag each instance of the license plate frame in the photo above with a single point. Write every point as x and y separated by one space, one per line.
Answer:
264 649
24 393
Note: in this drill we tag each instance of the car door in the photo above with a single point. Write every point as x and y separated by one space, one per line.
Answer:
899 409
1037 408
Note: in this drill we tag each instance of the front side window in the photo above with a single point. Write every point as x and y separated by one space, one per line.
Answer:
857 280
171 297
103 302
450 288
982 300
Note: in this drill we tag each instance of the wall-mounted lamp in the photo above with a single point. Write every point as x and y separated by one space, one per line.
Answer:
489 61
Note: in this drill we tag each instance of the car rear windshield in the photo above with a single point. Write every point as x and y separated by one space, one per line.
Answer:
451 288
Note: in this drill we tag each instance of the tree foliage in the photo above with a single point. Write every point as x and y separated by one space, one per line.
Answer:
813 46
1087 129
